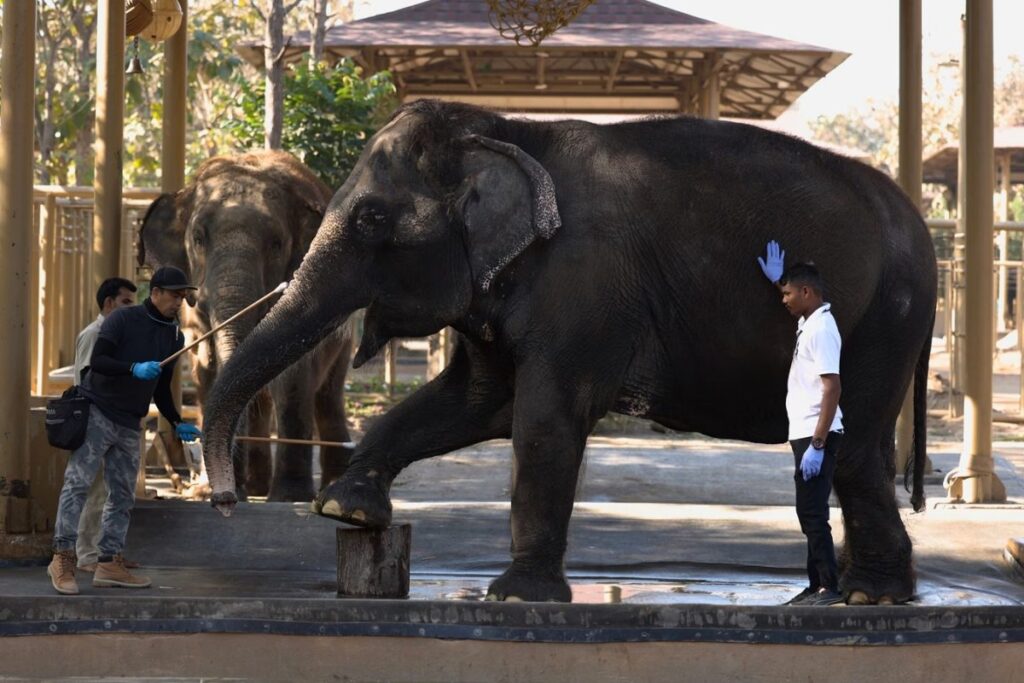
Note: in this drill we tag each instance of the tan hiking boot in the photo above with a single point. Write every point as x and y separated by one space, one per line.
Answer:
90 567
114 573
62 572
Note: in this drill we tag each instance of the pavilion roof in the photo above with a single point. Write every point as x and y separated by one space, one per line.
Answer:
617 56
941 167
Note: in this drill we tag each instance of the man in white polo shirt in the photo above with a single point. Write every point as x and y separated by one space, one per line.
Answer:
815 420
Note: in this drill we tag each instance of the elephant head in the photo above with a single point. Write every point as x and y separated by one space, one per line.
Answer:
436 207
239 229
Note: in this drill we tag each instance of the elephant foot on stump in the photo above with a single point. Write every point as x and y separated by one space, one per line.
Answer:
517 585
359 499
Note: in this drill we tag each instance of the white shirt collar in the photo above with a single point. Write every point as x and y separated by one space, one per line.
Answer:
824 308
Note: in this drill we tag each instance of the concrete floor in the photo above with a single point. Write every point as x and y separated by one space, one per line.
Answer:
676 520
680 551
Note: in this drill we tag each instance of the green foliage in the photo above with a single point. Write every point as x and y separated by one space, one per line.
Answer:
329 114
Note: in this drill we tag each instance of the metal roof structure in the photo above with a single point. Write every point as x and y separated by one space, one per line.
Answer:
941 167
617 56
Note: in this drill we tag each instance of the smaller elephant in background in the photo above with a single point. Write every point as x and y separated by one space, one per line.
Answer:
239 229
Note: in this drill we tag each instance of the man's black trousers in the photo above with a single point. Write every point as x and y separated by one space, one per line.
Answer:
812 510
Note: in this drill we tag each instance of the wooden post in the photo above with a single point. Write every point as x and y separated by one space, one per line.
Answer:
109 142
16 135
374 563
172 166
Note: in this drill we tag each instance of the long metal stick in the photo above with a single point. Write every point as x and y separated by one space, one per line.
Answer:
310 442
277 290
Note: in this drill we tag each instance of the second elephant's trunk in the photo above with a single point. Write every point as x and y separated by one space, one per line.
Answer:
315 303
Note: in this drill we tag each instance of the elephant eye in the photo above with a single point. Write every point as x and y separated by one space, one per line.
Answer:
197 239
371 221
276 244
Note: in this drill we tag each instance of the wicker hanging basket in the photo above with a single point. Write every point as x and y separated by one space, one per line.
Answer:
531 21
137 16
166 21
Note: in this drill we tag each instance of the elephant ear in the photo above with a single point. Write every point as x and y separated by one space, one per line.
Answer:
507 201
162 235
312 199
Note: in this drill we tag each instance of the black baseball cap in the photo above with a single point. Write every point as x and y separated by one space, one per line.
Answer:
170 278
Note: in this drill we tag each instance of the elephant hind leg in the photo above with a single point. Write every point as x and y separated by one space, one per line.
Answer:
331 423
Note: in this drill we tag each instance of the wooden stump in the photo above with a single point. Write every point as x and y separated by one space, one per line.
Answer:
373 563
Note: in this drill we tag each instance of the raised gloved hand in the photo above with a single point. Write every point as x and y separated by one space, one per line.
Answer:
187 432
774 262
810 463
146 371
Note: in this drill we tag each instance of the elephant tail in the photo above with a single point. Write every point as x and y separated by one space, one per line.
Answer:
919 452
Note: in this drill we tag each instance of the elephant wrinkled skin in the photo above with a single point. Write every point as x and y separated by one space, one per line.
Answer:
593 268
241 228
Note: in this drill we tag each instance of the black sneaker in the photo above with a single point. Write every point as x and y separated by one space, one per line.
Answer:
801 596
823 598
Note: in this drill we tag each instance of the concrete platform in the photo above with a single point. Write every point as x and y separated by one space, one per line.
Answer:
680 553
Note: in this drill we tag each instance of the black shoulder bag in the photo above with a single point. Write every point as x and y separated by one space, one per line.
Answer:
67 418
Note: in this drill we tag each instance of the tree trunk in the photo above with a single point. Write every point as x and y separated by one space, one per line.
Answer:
84 24
273 58
316 48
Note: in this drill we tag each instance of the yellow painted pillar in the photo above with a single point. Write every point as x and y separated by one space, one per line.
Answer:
106 237
909 171
975 480
172 163
958 358
17 76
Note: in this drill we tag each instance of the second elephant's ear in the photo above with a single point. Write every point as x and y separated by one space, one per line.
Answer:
162 235
507 201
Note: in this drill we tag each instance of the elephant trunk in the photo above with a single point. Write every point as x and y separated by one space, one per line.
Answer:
231 287
321 296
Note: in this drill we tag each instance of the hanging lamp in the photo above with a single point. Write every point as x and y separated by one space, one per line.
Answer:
137 15
166 21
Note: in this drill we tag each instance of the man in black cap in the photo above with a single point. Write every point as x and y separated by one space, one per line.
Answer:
124 375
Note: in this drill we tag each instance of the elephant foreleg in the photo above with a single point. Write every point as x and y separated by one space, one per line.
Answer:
331 423
470 402
548 439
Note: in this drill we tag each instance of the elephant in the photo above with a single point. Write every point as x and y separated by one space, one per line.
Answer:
241 227
593 268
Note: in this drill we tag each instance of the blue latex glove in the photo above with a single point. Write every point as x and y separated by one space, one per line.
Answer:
810 463
146 371
774 262
188 432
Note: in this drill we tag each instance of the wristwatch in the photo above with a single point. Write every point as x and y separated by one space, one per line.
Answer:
818 443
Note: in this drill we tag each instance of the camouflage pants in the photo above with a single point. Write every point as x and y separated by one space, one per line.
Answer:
117 448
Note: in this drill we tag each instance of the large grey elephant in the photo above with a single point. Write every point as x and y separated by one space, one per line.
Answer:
594 268
239 229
